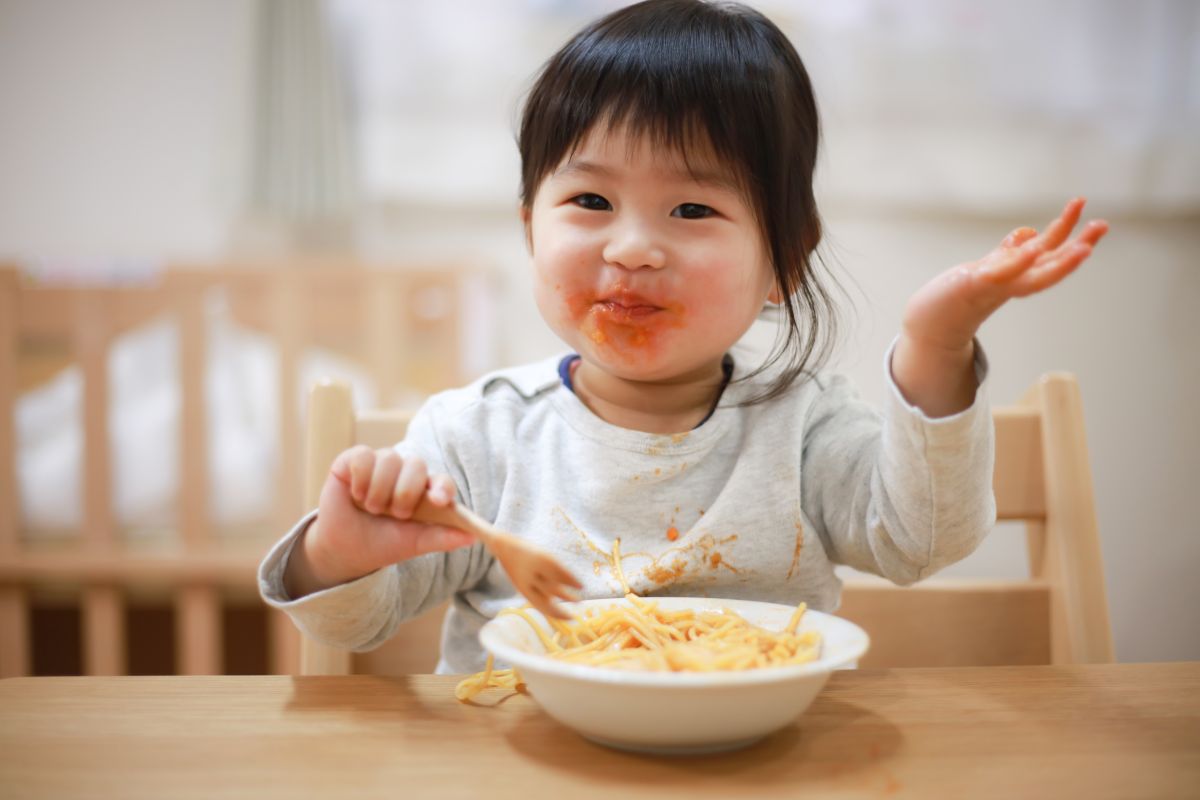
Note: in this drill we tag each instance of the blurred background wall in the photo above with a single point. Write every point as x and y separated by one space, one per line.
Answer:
134 133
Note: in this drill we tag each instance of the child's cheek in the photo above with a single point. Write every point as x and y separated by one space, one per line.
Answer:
552 284
575 302
565 297
714 300
723 289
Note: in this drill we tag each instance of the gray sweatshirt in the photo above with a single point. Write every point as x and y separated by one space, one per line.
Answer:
759 502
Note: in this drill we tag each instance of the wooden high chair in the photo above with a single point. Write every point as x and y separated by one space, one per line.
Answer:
1042 477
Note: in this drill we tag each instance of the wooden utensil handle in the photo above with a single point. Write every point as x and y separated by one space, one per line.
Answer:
453 516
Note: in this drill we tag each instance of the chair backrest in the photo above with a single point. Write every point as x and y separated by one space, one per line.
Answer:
1059 614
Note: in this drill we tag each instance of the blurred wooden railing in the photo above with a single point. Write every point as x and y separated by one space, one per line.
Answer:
400 326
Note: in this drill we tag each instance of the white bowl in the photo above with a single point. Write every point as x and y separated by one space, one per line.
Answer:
677 712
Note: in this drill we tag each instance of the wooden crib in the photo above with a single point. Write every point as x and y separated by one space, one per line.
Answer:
101 603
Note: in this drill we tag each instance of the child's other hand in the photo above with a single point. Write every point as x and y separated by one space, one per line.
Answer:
946 313
364 520
932 360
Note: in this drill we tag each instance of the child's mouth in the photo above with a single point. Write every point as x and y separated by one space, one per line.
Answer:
625 310
621 305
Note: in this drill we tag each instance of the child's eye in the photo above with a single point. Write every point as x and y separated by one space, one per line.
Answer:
592 202
692 211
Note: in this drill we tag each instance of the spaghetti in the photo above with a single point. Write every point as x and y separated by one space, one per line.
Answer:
642 636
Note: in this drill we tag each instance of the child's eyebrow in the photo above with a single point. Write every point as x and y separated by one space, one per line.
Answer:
712 178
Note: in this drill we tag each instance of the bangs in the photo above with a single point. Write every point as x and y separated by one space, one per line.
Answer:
693 78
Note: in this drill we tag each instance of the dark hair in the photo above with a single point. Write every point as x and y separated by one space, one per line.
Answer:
684 72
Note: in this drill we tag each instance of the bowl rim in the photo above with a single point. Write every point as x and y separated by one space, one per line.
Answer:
489 637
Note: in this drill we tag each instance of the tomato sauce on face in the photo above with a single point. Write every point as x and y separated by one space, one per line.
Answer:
624 326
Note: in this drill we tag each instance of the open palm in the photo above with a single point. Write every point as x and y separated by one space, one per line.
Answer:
947 311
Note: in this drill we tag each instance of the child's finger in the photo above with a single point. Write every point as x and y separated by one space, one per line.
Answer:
441 490
563 593
409 488
341 465
361 464
1003 265
1093 232
437 539
1057 231
562 576
1018 237
1045 275
383 481
548 607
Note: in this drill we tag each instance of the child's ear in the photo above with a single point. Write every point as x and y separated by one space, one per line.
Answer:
775 296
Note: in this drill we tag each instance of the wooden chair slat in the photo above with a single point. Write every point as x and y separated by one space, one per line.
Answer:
288 310
15 656
9 496
408 652
285 644
195 524
123 566
1019 478
943 623
1073 561
91 343
379 428
330 425
1035 548
50 312
198 645
104 642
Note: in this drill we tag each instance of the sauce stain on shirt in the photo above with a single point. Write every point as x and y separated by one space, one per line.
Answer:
597 565
796 552
689 560
696 559
661 474
663 441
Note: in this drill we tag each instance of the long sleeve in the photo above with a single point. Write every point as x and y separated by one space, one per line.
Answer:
898 494
362 614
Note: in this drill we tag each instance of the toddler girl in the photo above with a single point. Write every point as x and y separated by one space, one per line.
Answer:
667 157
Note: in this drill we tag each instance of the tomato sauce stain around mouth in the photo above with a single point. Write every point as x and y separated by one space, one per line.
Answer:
623 324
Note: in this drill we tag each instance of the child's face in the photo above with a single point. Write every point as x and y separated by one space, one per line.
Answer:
647 271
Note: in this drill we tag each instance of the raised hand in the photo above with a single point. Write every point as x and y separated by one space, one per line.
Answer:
932 361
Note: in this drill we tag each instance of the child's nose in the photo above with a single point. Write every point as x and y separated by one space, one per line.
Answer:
633 245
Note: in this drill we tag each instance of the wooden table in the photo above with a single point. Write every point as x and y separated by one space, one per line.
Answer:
1120 730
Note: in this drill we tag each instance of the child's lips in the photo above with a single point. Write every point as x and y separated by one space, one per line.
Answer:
623 305
626 310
